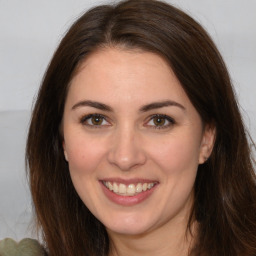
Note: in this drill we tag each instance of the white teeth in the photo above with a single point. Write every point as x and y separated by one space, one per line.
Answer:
150 185
144 186
115 188
109 185
139 188
129 190
122 189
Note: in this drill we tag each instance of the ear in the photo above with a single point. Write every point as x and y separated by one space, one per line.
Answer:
64 150
207 143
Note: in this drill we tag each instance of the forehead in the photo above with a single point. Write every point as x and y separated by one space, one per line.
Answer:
116 75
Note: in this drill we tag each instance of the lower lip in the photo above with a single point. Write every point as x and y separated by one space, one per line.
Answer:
127 200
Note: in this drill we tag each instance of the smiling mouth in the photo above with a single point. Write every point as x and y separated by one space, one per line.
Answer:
128 190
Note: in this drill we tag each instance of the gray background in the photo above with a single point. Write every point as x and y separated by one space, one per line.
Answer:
29 33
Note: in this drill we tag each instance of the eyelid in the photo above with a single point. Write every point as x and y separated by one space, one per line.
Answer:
85 118
170 120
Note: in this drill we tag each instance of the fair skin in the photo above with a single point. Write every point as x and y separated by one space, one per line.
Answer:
128 121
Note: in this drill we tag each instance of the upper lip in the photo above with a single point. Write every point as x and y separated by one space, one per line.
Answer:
129 181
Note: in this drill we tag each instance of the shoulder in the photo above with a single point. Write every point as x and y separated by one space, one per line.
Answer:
26 247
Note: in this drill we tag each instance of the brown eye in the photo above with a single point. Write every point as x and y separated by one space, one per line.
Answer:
94 120
159 121
97 120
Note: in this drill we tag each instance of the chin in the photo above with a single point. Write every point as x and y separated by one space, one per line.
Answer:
129 225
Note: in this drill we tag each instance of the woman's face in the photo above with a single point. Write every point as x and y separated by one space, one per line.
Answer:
133 141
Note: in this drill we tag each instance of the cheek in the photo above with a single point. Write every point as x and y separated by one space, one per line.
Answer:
84 154
84 158
176 154
177 158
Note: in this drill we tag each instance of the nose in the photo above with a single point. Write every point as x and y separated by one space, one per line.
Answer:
126 151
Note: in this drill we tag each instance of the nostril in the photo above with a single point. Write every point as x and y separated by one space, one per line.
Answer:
126 159
126 151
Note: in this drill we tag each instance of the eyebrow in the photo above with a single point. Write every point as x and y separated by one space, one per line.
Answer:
161 104
145 108
94 104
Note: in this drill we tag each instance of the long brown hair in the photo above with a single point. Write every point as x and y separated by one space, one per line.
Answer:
225 187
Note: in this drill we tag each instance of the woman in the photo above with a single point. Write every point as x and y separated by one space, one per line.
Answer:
136 144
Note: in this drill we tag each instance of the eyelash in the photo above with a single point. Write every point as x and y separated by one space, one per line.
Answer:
163 117
85 119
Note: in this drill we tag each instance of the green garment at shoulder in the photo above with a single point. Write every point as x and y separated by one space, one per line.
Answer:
26 247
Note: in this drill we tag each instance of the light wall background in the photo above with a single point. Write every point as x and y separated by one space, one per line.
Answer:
29 33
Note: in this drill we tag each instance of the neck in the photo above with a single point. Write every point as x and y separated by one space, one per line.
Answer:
170 239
